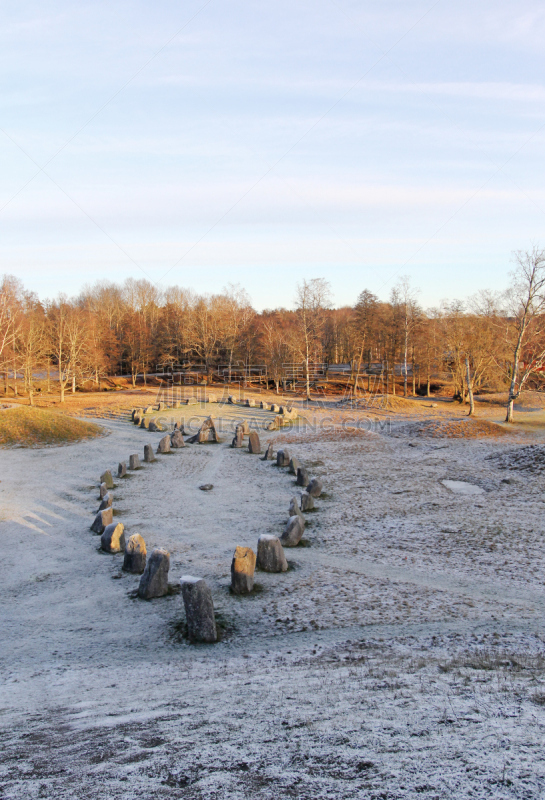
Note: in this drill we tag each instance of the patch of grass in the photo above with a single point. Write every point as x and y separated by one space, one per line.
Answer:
25 426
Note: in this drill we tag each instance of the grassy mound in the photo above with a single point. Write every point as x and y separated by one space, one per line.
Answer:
23 426
452 429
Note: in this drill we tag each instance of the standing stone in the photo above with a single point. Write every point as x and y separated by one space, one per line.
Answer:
242 570
135 555
103 518
144 423
293 531
122 469
231 399
293 466
137 419
164 445
211 398
161 407
315 487
302 477
134 461
263 404
106 502
148 454
245 427
199 610
307 502
113 538
269 454
176 439
238 438
254 445
106 478
206 433
282 458
270 555
155 425
103 490
275 409
294 509
149 410
154 581
176 404
250 402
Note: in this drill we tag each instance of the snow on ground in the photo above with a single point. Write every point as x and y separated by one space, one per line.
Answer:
401 655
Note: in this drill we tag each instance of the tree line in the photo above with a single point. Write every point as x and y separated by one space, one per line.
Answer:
493 341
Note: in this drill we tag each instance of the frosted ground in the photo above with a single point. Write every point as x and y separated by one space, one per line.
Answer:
401 656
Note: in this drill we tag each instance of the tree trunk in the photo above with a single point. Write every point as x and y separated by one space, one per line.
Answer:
31 397
509 415
73 384
470 389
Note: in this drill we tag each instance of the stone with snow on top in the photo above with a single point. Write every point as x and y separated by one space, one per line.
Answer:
293 531
135 555
282 458
154 581
254 445
106 478
307 502
164 445
293 466
121 469
149 456
462 487
270 555
302 477
103 518
113 538
134 461
242 570
315 487
106 502
206 433
176 439
199 610
103 490
269 453
294 509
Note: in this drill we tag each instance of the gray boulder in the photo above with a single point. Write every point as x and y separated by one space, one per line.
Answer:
302 477
270 555
282 458
103 518
144 423
148 454
106 502
199 610
307 502
293 466
269 453
106 478
293 531
238 438
164 445
315 487
103 490
294 509
254 445
154 426
154 581
113 538
206 433
242 570
122 469
134 461
135 555
177 440
137 419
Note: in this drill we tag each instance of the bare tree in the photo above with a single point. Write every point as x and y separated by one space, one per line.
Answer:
312 298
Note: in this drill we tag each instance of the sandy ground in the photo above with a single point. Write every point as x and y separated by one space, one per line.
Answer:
401 656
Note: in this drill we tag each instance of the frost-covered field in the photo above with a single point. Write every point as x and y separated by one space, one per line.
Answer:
402 655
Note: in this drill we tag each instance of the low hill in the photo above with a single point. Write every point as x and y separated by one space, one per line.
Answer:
22 426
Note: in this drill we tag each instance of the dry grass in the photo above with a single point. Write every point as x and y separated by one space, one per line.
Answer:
23 426
452 429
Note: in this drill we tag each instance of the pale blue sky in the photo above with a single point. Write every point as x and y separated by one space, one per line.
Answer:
200 143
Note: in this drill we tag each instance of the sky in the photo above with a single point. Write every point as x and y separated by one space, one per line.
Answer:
202 143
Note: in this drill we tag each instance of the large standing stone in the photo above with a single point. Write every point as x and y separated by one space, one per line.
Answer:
106 502
144 423
137 419
154 581
148 454
103 518
275 409
293 466
135 555
242 570
282 458
161 407
176 439
269 454
106 478
307 502
263 404
113 538
149 410
270 555
315 487
103 490
155 425
238 438
254 445
231 399
293 531
250 402
245 427
207 433
122 469
302 477
294 509
199 610
134 461
164 445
